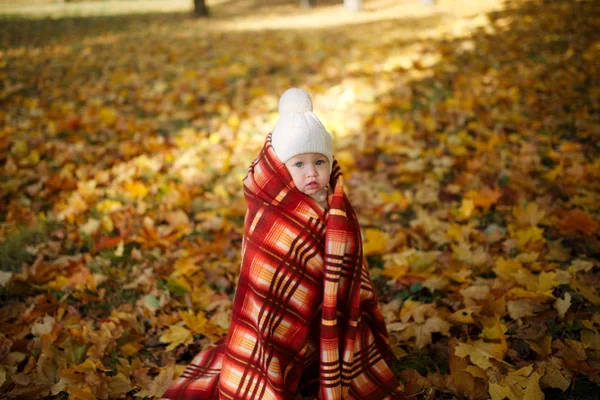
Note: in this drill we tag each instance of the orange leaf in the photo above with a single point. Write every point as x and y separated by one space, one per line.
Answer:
578 221
484 198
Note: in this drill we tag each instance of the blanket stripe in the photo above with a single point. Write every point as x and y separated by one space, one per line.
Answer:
305 316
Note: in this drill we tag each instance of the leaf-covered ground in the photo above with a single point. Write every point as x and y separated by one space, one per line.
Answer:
468 136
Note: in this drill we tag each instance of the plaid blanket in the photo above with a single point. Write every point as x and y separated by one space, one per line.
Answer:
305 316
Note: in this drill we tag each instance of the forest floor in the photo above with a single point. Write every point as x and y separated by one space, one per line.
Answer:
467 133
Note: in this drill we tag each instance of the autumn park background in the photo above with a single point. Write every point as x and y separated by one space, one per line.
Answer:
467 132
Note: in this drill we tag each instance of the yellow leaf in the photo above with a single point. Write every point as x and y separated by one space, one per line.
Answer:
396 126
418 260
396 271
480 352
178 285
130 349
83 392
484 198
346 159
160 384
120 249
375 242
214 138
422 332
522 308
506 269
43 326
528 215
233 121
136 189
396 198
108 206
221 192
430 123
464 316
196 322
520 293
562 305
590 339
462 252
20 148
463 380
533 234
542 346
476 372
175 336
556 374
587 292
108 115
547 282
518 385
177 218
58 283
5 277
86 366
461 276
186 266
553 174
494 331
118 385
466 208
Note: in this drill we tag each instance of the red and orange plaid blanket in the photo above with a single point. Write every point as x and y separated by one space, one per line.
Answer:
305 316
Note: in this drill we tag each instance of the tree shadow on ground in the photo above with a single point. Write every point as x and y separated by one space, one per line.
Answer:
31 33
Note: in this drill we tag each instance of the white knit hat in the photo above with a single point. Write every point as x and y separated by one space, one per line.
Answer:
298 129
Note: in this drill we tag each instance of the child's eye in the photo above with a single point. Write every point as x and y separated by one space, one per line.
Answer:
298 164
320 162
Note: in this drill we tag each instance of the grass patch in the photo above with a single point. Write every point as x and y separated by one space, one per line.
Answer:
423 362
13 251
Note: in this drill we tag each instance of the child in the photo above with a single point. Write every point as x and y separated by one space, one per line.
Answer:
305 316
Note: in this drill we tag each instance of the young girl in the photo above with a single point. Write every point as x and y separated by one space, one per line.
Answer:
305 316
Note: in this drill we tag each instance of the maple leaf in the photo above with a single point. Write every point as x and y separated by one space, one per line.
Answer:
556 374
118 385
562 305
576 220
528 215
196 322
44 326
480 352
374 242
522 384
175 336
590 339
484 198
422 332
160 384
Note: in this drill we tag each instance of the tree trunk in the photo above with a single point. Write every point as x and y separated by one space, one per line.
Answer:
307 3
200 9
352 5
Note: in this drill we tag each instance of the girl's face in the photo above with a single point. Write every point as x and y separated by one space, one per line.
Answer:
310 172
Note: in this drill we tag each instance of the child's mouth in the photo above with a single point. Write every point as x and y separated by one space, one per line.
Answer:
312 185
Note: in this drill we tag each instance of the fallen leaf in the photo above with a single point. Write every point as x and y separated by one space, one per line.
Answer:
175 336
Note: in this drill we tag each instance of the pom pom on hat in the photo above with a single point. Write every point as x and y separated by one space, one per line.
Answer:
295 101
298 129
